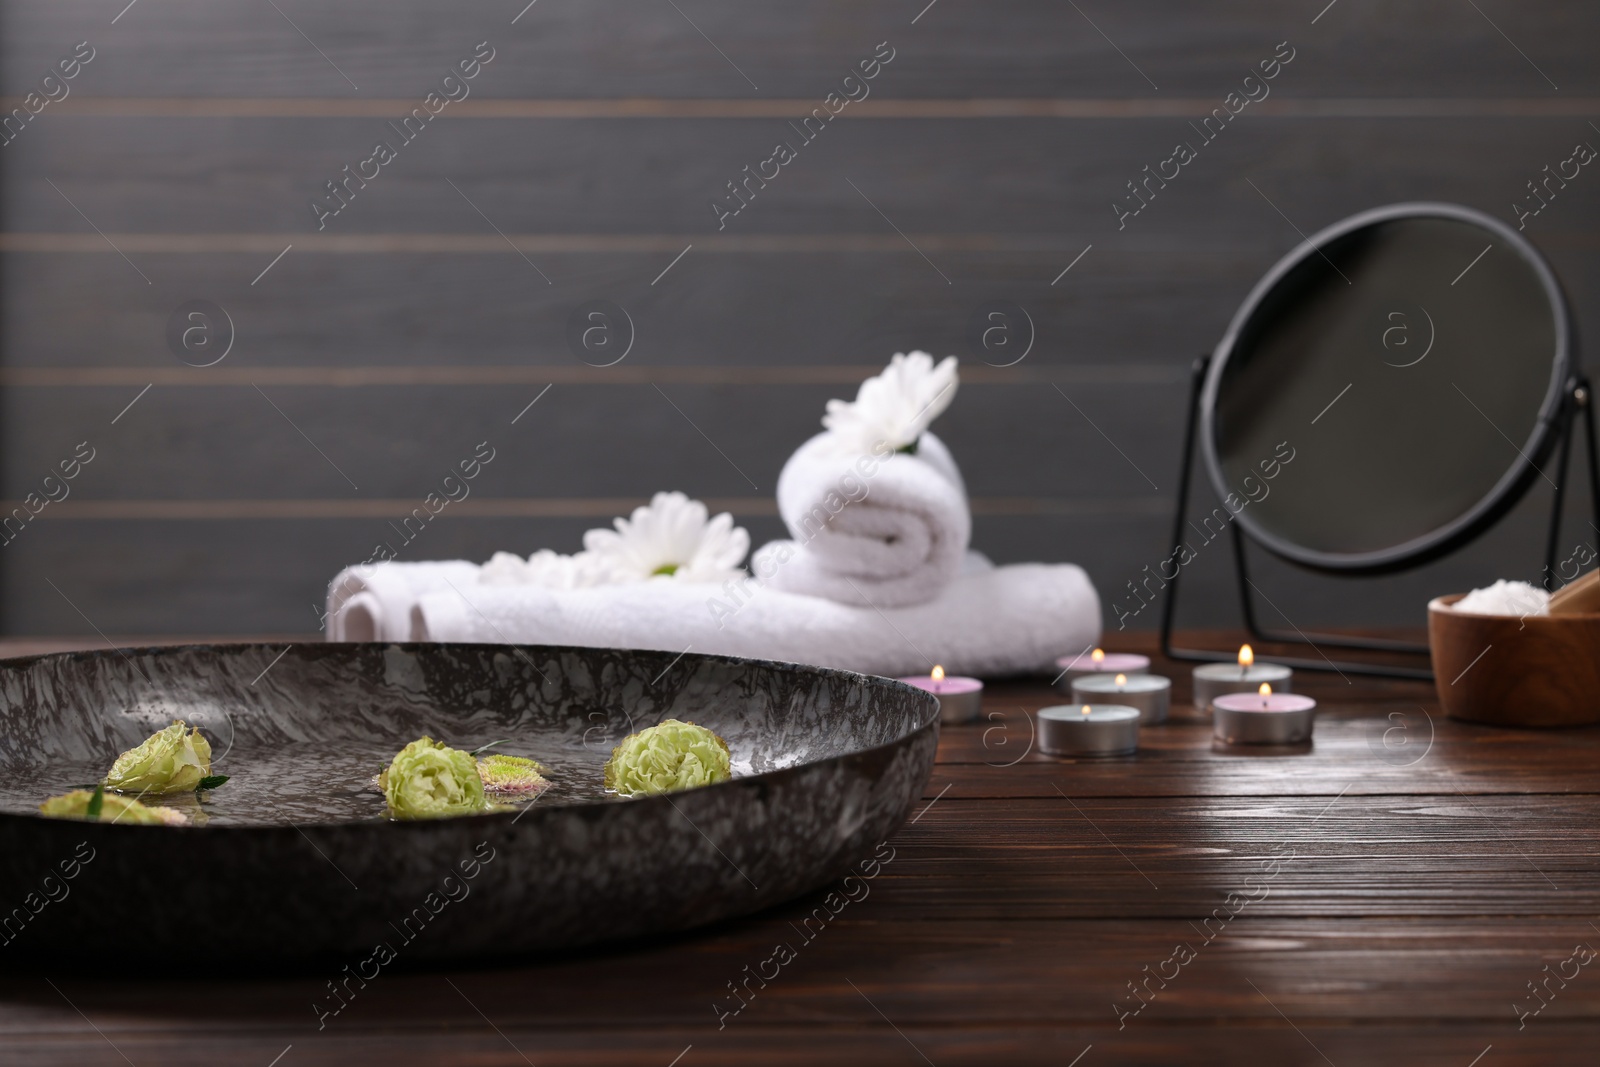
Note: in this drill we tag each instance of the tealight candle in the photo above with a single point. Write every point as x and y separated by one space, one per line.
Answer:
1263 718
1212 680
1088 730
960 699
1150 693
1098 662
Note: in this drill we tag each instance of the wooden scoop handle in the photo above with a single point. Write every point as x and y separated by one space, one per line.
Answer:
1581 597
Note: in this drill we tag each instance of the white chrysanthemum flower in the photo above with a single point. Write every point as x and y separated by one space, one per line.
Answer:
894 407
552 570
504 568
671 537
545 569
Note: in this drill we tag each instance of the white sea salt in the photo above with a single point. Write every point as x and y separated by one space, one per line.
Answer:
1506 598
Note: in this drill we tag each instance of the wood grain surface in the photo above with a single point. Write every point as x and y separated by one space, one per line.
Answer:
1385 895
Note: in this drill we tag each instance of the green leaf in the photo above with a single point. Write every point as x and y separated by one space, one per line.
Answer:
212 781
484 748
96 802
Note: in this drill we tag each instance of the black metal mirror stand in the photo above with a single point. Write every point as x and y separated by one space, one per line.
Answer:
1576 406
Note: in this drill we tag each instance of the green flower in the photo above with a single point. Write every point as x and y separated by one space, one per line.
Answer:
668 756
512 774
429 780
112 808
170 761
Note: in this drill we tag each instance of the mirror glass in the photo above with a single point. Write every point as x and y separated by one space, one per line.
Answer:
1388 389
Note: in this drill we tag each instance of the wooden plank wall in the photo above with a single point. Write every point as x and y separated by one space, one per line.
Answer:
427 314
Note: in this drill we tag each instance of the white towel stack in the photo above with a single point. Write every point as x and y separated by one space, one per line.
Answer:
876 576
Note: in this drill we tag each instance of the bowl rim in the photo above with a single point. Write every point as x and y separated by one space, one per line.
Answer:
1445 605
930 721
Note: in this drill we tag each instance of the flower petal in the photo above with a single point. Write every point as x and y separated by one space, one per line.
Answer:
670 539
896 406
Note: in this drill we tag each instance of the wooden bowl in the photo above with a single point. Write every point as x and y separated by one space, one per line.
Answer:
1509 670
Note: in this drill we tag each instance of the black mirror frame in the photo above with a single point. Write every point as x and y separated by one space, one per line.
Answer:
1505 493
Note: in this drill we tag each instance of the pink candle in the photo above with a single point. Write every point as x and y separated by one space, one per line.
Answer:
1263 717
960 699
1088 665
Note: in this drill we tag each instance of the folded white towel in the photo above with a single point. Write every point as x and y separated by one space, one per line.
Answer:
372 601
991 621
868 529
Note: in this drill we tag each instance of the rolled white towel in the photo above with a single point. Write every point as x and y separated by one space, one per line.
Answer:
359 618
881 530
993 621
372 601
491 614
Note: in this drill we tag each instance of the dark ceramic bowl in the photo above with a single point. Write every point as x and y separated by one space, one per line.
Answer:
293 860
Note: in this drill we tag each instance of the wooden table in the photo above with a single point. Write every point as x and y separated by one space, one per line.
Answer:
1387 895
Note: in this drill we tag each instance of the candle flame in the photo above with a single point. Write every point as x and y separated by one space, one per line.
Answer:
1098 655
938 673
1265 691
1086 709
1122 680
1247 655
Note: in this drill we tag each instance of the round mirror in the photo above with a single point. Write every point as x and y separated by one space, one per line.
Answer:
1389 389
